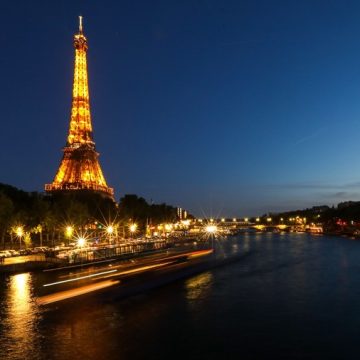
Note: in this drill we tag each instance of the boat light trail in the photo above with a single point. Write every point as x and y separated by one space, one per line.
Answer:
143 268
67 294
80 278
200 253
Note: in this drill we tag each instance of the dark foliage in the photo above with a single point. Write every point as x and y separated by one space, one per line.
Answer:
50 213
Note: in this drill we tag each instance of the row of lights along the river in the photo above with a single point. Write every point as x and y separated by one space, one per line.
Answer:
110 233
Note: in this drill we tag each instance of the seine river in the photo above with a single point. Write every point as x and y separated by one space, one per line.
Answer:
290 296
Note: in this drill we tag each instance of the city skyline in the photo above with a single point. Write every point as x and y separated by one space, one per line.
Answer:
224 110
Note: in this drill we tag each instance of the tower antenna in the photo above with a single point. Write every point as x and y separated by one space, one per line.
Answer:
80 24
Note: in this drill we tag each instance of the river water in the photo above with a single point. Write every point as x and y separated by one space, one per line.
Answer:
289 296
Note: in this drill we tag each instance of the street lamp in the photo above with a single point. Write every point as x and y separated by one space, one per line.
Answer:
81 241
19 233
211 229
133 228
69 230
110 231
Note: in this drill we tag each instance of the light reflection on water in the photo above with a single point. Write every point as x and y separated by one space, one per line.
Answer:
198 287
19 317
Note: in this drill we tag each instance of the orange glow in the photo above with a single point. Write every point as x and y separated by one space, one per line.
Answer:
133 228
200 253
19 231
143 268
69 231
67 294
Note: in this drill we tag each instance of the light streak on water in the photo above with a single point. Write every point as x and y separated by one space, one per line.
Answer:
67 294
200 253
79 278
143 268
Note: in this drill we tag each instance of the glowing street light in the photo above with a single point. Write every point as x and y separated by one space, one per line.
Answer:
222 220
110 229
19 231
133 228
81 241
211 229
69 230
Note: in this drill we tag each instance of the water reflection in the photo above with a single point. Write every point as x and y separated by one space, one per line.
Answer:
246 243
20 318
198 287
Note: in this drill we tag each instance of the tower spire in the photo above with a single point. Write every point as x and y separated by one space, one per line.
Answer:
79 168
80 24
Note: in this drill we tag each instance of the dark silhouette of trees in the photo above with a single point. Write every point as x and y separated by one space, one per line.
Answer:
46 216
134 208
6 213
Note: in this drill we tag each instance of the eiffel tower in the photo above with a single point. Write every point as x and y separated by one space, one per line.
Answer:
79 170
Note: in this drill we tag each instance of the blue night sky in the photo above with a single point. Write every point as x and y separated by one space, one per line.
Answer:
229 108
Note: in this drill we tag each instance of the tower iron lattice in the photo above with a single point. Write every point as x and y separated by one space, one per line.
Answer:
79 168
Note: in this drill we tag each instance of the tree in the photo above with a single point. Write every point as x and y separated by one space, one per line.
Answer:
6 212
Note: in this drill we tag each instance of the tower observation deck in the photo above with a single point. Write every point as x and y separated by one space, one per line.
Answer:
79 168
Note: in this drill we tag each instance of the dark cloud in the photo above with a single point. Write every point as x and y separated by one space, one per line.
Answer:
319 185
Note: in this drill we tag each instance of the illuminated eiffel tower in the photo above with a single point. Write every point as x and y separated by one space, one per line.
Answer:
79 169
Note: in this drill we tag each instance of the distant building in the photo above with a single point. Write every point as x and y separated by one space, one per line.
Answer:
181 213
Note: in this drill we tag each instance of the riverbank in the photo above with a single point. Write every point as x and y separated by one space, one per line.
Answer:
75 258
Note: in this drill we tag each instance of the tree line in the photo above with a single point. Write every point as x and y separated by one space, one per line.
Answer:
44 217
345 216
